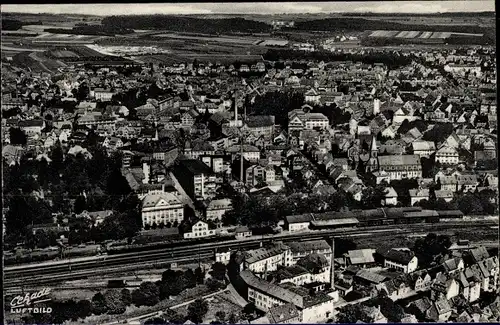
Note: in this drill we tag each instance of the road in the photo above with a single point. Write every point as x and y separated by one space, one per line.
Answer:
109 264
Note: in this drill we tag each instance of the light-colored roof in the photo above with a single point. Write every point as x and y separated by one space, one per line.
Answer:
271 289
423 145
399 160
361 256
151 200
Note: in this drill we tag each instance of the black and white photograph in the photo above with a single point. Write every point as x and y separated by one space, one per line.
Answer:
250 163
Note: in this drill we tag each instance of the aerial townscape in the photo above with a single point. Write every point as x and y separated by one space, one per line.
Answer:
232 168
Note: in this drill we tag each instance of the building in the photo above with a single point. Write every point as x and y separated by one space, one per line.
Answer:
400 166
260 125
300 222
447 155
267 259
417 195
217 208
423 148
403 261
32 127
196 178
161 209
314 308
242 232
299 250
199 229
283 314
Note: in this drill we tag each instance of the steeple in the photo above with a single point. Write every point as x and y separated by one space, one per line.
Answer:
373 148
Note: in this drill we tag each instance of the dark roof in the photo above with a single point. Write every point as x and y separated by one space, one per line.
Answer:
403 257
195 166
260 120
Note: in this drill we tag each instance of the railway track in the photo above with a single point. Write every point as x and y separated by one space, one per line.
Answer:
109 264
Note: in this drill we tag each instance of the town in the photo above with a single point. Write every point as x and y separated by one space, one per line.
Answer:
351 185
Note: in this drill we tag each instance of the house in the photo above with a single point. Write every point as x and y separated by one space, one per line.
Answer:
447 155
242 232
360 257
417 195
423 148
162 208
217 208
440 311
444 194
300 222
391 196
404 261
32 127
467 183
199 229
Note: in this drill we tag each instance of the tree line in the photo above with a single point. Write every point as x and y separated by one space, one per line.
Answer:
187 24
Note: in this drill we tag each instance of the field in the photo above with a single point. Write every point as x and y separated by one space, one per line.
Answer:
235 40
65 38
416 34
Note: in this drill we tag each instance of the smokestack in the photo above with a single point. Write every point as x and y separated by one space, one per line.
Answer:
332 266
376 106
146 170
236 108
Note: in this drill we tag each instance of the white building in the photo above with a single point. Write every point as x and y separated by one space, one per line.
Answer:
267 259
161 208
423 148
447 155
403 261
199 229
217 208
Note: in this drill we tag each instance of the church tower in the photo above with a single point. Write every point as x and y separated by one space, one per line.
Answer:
373 148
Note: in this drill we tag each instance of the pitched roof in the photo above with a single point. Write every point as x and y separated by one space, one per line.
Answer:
402 257
399 160
361 256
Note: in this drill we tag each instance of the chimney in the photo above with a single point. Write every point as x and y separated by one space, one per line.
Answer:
146 170
236 109
376 106
332 266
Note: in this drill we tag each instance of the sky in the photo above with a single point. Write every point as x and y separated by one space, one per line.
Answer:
256 8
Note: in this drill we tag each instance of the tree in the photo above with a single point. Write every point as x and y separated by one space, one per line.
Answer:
98 304
199 275
220 316
126 297
173 317
114 302
197 311
17 137
156 321
469 204
431 248
218 271
147 294
372 197
249 310
189 278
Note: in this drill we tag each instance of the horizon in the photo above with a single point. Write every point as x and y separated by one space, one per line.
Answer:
269 8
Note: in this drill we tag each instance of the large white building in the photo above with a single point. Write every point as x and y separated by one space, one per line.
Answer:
267 259
161 208
447 155
400 166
